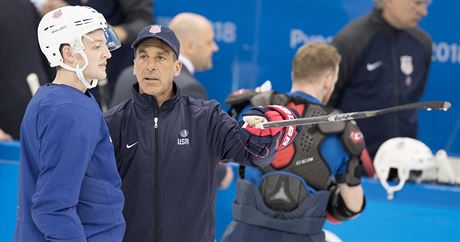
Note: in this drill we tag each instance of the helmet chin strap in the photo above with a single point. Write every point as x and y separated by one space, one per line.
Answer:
79 71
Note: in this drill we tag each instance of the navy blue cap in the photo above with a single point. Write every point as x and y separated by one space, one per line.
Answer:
160 32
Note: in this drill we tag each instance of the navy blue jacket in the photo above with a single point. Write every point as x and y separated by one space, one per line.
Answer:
381 67
167 158
14 89
69 188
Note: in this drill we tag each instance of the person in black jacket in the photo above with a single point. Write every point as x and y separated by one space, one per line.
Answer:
196 37
20 74
168 146
385 62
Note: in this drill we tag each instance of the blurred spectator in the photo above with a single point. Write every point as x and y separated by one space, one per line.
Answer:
127 17
196 38
386 59
22 67
123 86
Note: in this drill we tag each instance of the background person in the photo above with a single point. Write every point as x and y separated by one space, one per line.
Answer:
21 73
385 62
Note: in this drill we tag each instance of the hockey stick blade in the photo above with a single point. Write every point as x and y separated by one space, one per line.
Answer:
438 105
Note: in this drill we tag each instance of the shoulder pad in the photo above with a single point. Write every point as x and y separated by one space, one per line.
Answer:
332 127
329 127
353 138
262 99
280 99
239 97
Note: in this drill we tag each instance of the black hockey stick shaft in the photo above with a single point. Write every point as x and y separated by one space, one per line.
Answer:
438 105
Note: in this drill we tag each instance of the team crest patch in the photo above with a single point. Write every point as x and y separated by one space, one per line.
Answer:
183 133
57 13
155 29
406 65
407 68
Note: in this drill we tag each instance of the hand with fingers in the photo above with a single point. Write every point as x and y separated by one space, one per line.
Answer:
264 142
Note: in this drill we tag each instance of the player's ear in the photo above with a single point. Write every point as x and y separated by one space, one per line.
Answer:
67 54
177 67
328 82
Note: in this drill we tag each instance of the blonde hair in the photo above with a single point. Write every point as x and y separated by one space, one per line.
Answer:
312 61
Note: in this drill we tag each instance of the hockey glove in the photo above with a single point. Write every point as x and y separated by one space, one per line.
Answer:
263 142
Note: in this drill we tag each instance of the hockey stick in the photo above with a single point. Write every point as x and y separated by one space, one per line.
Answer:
441 105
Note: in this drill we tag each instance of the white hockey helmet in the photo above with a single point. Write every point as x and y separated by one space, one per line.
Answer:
411 158
67 25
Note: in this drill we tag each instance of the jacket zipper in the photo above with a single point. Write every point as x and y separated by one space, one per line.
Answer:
396 82
157 179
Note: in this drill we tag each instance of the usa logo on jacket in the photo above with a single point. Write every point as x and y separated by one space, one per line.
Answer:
183 140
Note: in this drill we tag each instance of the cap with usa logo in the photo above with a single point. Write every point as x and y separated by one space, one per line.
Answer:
159 32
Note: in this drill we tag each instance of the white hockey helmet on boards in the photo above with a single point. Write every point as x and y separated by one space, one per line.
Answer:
67 25
411 158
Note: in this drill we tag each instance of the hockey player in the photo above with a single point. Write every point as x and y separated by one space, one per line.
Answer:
318 174
69 188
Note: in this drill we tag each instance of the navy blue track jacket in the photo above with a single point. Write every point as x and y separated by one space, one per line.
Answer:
167 158
381 67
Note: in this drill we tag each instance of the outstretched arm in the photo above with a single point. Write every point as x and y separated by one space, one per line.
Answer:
263 143
246 144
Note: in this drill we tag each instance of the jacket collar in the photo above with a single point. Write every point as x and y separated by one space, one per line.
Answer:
187 64
149 103
305 96
378 19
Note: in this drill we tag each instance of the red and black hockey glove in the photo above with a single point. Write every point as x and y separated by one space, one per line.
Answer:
262 143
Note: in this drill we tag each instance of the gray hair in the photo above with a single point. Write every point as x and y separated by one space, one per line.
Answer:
379 3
